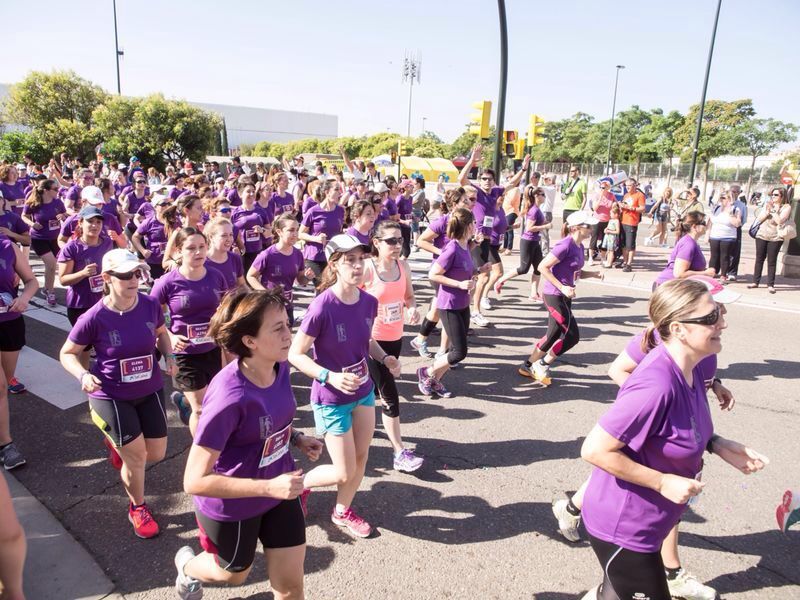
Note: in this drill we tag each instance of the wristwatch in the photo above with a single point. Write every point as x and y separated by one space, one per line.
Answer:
323 377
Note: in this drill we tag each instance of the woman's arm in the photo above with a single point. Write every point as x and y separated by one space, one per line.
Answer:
200 480
300 360
304 235
254 279
604 451
164 345
136 242
436 275
66 276
168 262
621 368
425 241
69 357
548 262
31 284
681 269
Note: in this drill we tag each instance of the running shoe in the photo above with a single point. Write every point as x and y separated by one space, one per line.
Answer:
304 500
424 383
439 389
486 304
11 457
567 523
525 370
113 455
188 588
590 262
479 320
626 268
15 386
541 371
144 525
686 586
51 297
732 278
406 461
350 520
421 346
184 411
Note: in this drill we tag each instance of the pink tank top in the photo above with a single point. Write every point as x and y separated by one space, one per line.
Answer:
388 325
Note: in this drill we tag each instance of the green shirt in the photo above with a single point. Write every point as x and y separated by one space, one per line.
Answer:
575 199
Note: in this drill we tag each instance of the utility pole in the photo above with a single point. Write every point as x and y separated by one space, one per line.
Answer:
501 99
412 69
613 112
696 143
118 52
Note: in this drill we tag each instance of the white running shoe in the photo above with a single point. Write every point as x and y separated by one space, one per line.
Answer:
686 586
567 523
479 320
540 371
187 587
486 304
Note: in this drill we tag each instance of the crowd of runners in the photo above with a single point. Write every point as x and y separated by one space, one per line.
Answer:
194 273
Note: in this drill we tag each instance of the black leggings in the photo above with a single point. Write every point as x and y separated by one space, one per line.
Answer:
598 231
508 237
385 385
562 329
405 231
629 574
530 255
766 250
456 324
721 251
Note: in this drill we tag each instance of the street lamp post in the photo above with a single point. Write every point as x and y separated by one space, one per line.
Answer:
412 69
118 52
501 100
696 143
611 128
423 124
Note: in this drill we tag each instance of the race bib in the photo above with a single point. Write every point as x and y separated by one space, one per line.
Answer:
251 235
275 446
288 295
198 334
391 313
287 208
488 221
360 370
96 283
157 247
136 369
54 224
406 217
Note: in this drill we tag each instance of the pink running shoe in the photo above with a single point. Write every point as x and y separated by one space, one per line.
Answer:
355 524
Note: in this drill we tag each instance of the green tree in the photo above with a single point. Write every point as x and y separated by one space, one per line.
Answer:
43 98
759 137
16 144
657 138
565 140
718 134
628 126
72 137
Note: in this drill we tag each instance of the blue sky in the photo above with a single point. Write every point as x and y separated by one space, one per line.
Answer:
345 58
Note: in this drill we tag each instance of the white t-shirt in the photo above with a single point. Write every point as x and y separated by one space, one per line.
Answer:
549 198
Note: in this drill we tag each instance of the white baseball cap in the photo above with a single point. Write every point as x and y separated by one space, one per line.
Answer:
120 260
343 243
719 292
92 195
581 217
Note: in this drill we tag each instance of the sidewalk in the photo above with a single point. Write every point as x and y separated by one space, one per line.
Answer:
57 566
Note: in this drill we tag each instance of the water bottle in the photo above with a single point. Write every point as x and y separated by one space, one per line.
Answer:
6 300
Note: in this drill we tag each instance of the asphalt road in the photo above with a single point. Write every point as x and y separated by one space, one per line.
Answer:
475 521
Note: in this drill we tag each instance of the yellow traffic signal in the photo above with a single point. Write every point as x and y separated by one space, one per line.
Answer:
402 147
520 149
510 143
535 130
479 122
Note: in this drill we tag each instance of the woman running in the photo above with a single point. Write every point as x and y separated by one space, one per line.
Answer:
530 247
281 200
561 270
191 293
43 212
79 266
125 389
131 202
93 196
405 210
496 237
281 264
388 279
362 216
219 233
250 225
338 326
686 258
320 223
240 471
454 272
648 448
151 236
186 211
13 269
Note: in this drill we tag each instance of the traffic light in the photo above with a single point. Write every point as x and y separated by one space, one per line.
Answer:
509 143
393 156
402 147
479 121
535 130
520 149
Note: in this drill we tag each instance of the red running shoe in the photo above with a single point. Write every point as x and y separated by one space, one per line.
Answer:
144 525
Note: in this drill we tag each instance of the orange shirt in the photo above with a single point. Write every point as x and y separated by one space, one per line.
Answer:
629 203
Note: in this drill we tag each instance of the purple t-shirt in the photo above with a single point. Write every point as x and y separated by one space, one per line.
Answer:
89 290
246 221
276 268
134 202
11 193
47 216
73 196
665 424
405 206
707 366
307 204
329 222
341 335
439 227
281 204
390 206
457 264
175 192
250 427
126 364
364 238
231 269
146 210
155 238
687 249
568 268
9 284
535 216
13 222
499 227
485 206
191 305
233 197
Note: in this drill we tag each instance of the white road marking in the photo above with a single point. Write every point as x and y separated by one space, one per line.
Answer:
47 379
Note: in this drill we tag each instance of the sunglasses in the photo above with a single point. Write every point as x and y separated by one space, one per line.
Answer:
776 195
486 178
225 210
710 319
139 181
393 241
127 276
